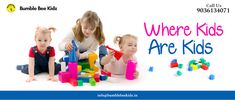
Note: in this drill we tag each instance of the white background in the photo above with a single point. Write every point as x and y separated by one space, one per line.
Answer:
120 17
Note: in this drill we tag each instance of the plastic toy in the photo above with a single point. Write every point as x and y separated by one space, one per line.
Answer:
117 54
130 69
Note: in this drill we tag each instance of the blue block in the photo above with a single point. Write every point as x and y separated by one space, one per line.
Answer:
151 69
72 56
212 77
66 59
174 60
74 45
190 68
103 77
84 79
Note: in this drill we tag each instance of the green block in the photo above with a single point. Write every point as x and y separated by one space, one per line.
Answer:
80 83
202 60
179 73
92 81
180 66
84 65
192 62
207 64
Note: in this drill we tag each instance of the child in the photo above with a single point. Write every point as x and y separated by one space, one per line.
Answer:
87 33
128 46
41 56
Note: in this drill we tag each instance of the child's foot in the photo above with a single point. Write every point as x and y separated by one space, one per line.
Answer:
52 78
19 67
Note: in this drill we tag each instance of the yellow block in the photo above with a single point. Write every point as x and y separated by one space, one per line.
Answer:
91 59
95 68
86 75
194 67
79 68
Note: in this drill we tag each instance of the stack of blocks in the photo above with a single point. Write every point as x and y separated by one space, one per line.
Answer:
194 65
85 72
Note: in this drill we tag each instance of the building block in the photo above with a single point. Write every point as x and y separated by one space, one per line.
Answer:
151 69
190 68
63 66
192 62
103 77
72 56
204 67
84 64
84 79
207 64
92 82
64 77
174 61
73 82
97 77
202 60
73 69
80 83
66 59
212 77
74 45
91 59
130 69
96 69
194 67
89 71
173 65
87 75
103 72
79 68
180 66
117 54
178 73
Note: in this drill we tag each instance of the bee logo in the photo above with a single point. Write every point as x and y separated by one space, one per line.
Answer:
11 8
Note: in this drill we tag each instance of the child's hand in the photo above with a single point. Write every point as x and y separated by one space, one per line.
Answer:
111 53
31 78
68 46
78 54
52 78
136 74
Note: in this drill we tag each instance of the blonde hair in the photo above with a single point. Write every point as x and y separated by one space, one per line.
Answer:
92 19
44 30
120 40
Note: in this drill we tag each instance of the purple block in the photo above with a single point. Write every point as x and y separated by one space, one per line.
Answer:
130 69
64 76
73 69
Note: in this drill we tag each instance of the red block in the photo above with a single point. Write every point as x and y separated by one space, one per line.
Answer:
103 72
174 64
204 67
73 82
97 77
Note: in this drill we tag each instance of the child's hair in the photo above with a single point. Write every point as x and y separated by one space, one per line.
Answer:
44 30
92 19
120 40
